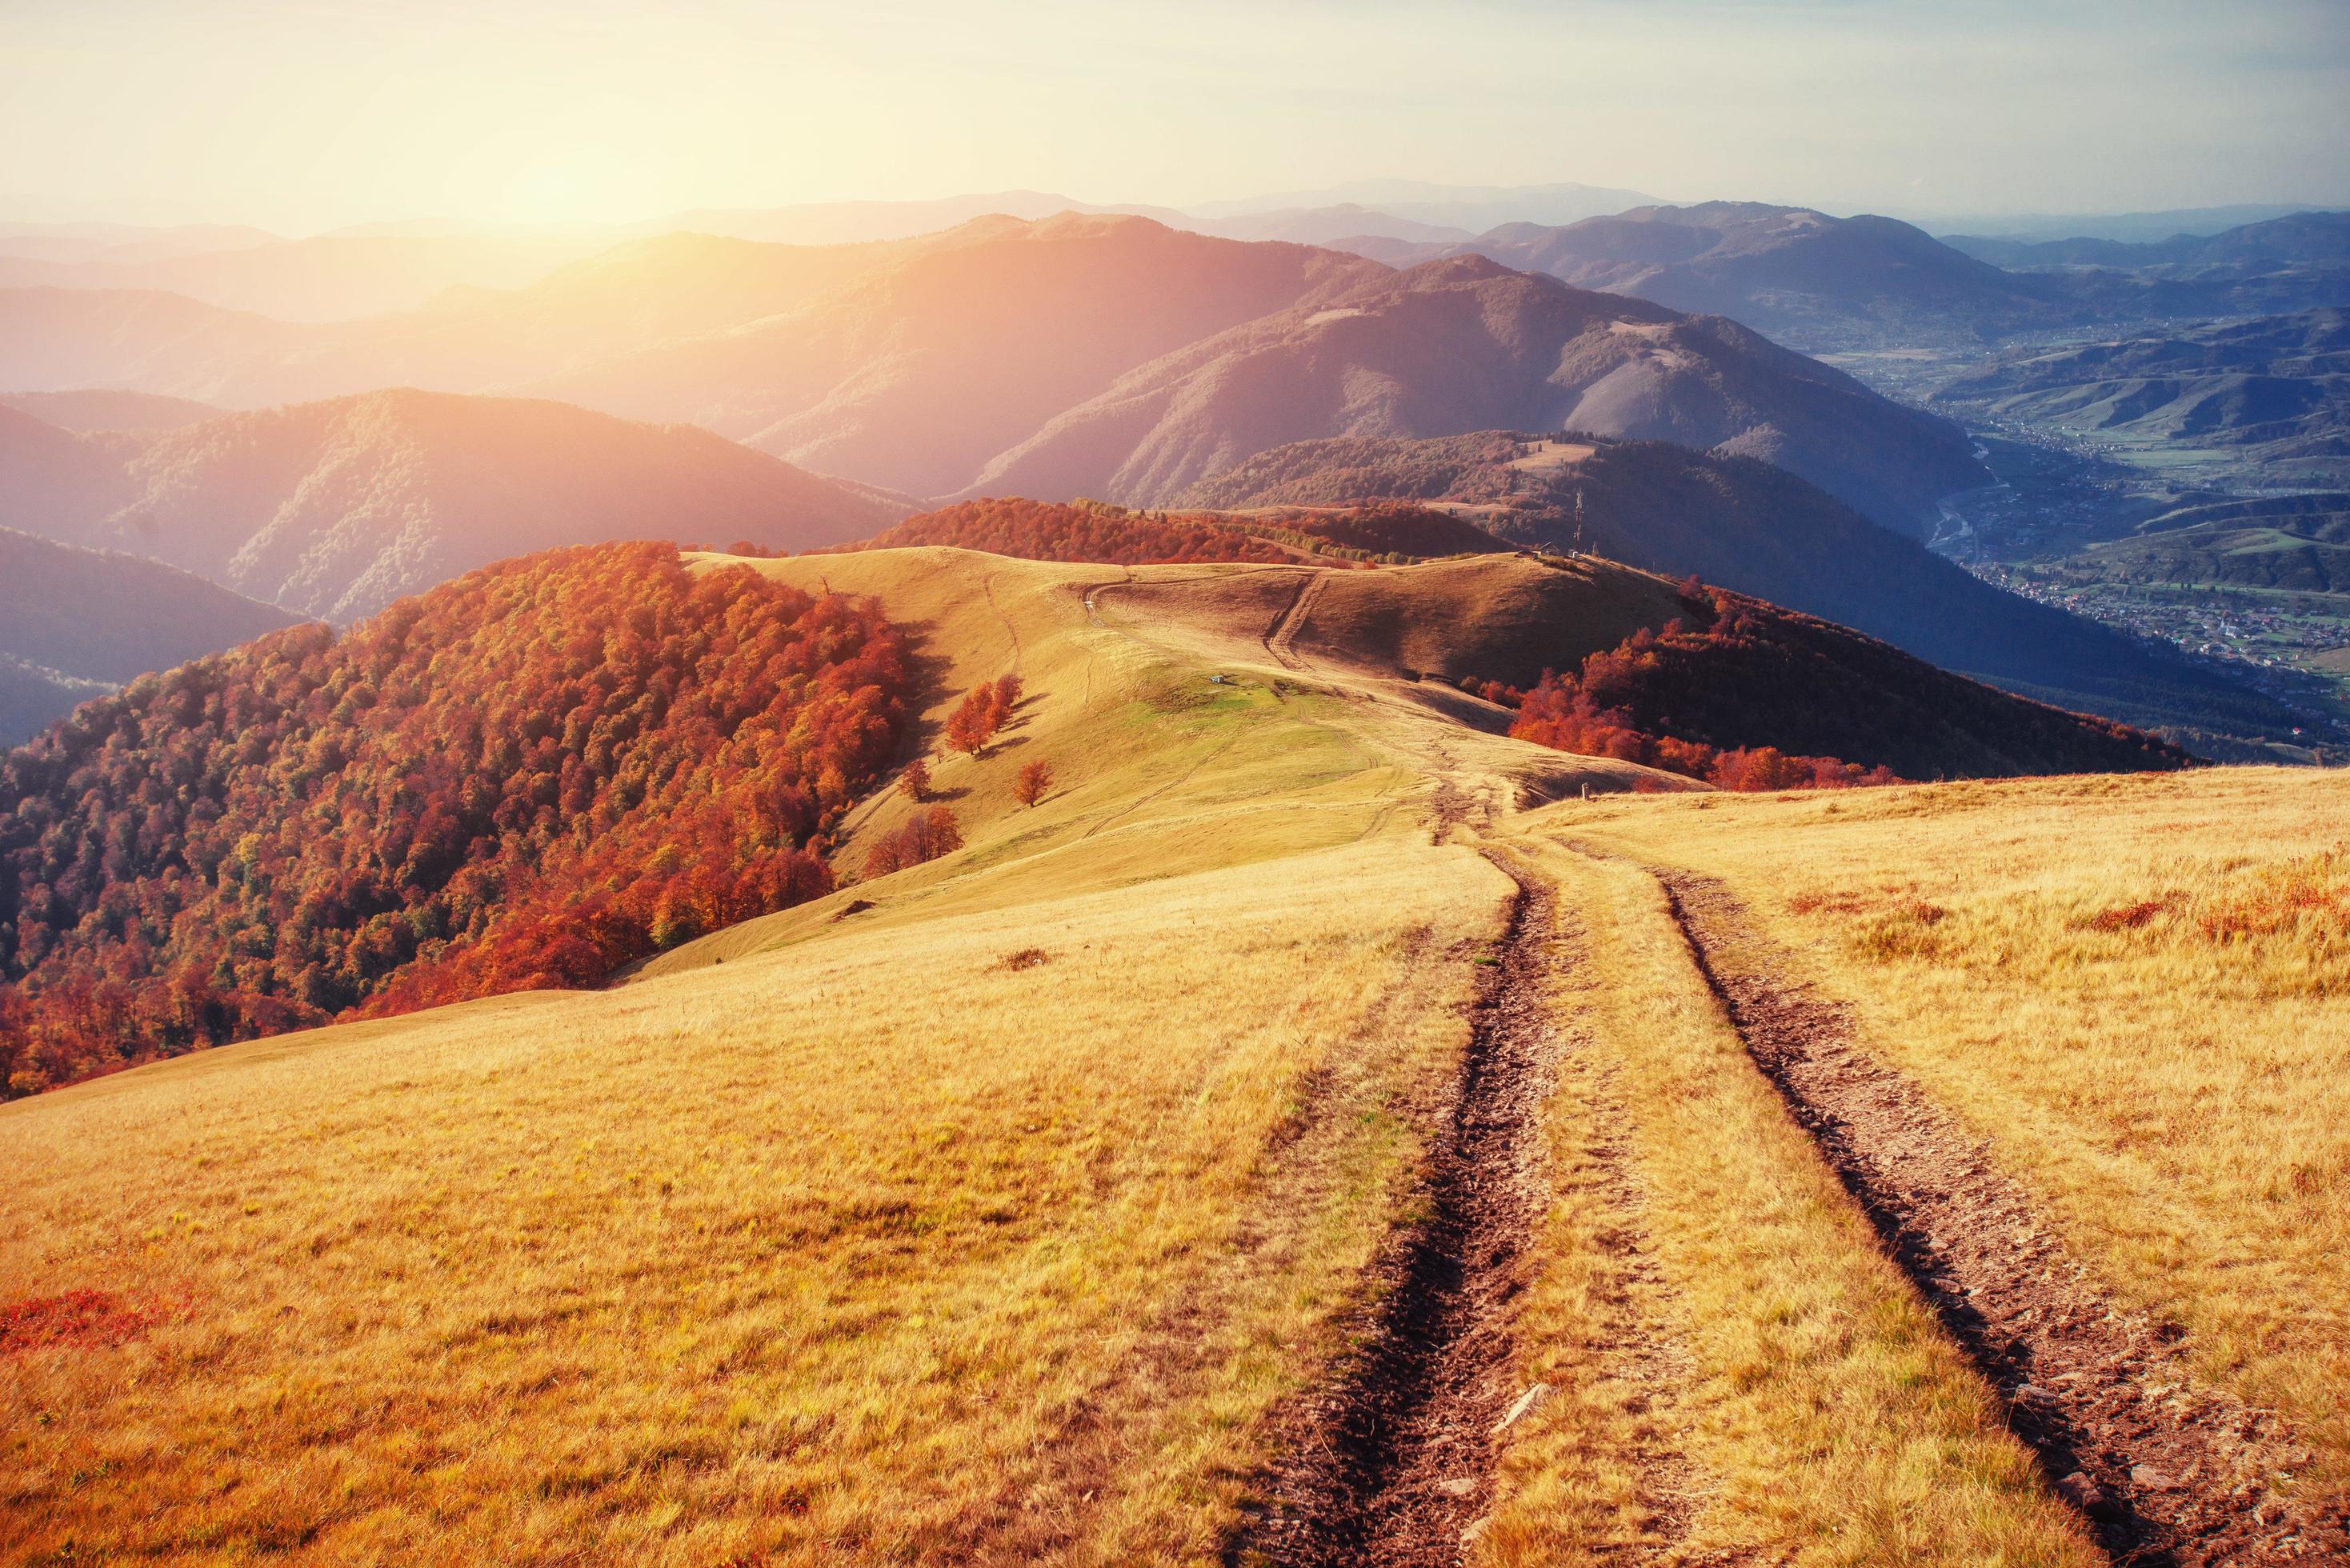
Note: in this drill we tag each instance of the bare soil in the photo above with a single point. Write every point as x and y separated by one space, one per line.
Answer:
2164 1471
1392 1462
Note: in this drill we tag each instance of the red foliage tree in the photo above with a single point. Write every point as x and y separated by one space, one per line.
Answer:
976 720
926 837
914 780
525 777
1035 780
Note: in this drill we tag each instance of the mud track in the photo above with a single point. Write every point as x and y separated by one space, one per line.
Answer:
2165 1472
1281 638
1393 1462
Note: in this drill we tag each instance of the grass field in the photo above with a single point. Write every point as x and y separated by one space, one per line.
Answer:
1005 1217
2137 989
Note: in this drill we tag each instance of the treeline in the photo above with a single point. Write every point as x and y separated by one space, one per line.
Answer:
524 778
1078 530
1748 696
1098 532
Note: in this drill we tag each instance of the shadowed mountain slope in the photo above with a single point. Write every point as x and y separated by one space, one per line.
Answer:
77 623
336 508
1467 345
1756 528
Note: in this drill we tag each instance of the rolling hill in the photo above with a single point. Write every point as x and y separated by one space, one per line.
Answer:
554 696
1099 531
334 509
1802 276
2274 390
526 777
76 624
1752 527
2295 543
1090 1191
1465 345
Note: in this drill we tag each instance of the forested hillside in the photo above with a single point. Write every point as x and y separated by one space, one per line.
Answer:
524 778
1748 696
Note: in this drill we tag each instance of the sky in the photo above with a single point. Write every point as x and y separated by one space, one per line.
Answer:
302 115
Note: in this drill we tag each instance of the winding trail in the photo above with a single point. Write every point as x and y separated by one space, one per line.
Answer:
1282 636
1394 1458
2165 1472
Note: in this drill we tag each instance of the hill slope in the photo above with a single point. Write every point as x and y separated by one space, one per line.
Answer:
75 623
526 777
1124 1113
1467 345
335 509
1758 529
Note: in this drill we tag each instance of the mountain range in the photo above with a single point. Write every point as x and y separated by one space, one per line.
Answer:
1107 356
1797 274
336 508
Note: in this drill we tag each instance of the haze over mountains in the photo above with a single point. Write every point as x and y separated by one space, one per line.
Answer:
1111 356
77 623
334 509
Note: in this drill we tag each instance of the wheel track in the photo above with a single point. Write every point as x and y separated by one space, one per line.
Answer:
1415 1404
1282 636
2164 1472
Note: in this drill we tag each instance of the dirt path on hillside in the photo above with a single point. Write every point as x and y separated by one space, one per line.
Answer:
1393 1461
2164 1471
1281 637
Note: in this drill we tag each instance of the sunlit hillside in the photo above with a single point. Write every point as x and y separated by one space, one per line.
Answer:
1080 1194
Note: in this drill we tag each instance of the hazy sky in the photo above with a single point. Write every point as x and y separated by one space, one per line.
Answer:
301 114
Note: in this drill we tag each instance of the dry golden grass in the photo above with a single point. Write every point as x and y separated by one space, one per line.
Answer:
838 1237
1744 1373
2137 989
888 1249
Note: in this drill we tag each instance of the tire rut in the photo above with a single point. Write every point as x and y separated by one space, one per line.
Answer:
2165 1472
1393 1461
1282 634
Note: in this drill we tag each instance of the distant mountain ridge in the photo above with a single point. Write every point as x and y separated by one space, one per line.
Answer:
334 509
77 623
1469 344
1794 273
1009 355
